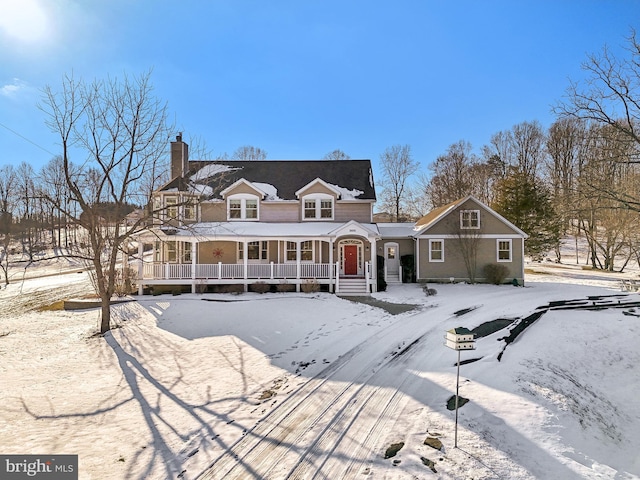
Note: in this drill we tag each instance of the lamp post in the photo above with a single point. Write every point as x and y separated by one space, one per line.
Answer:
459 339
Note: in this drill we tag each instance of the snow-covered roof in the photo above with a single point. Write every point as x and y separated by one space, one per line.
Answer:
233 230
396 230
351 179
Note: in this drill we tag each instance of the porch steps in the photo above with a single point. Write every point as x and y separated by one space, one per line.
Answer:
352 286
391 278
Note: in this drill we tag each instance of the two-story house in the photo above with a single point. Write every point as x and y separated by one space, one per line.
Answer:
231 222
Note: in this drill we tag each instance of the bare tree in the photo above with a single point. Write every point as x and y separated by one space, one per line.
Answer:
521 148
528 147
499 153
397 168
566 147
607 225
451 175
26 196
249 152
610 95
118 129
52 180
336 155
7 212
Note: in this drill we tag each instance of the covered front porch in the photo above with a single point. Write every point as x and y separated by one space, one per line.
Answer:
336 260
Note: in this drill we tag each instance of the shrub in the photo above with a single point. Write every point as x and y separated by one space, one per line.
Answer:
381 283
285 286
310 285
233 289
495 273
201 286
260 287
408 263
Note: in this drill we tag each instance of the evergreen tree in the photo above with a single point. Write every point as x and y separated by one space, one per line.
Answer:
525 201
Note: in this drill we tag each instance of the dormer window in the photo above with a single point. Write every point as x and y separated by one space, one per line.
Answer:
469 219
317 207
242 207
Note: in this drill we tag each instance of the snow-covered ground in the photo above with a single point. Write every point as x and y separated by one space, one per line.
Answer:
315 386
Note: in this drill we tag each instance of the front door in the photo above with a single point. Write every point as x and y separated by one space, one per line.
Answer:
350 259
392 261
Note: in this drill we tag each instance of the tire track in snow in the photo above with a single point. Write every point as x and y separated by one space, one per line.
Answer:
290 441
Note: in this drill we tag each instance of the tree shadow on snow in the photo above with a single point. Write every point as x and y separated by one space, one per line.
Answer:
491 428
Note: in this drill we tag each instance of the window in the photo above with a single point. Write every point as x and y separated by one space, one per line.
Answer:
255 251
186 252
189 211
318 207
470 219
157 251
235 209
306 251
309 209
326 208
504 250
436 250
242 207
172 207
251 209
172 251
391 253
291 251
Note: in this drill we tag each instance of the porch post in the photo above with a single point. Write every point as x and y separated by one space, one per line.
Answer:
298 265
374 265
417 252
332 286
140 266
522 259
245 255
193 266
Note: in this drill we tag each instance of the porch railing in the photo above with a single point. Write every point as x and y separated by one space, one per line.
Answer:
236 271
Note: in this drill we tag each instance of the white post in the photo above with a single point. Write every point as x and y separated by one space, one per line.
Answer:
331 277
374 265
193 266
245 256
417 252
455 442
298 265
140 266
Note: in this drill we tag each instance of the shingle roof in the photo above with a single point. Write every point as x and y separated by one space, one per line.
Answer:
436 214
287 176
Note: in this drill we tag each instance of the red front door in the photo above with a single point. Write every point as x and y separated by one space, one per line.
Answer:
350 259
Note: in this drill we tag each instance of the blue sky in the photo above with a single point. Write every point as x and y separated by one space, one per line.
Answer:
302 78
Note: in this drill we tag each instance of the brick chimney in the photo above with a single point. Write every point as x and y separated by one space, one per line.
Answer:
179 157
